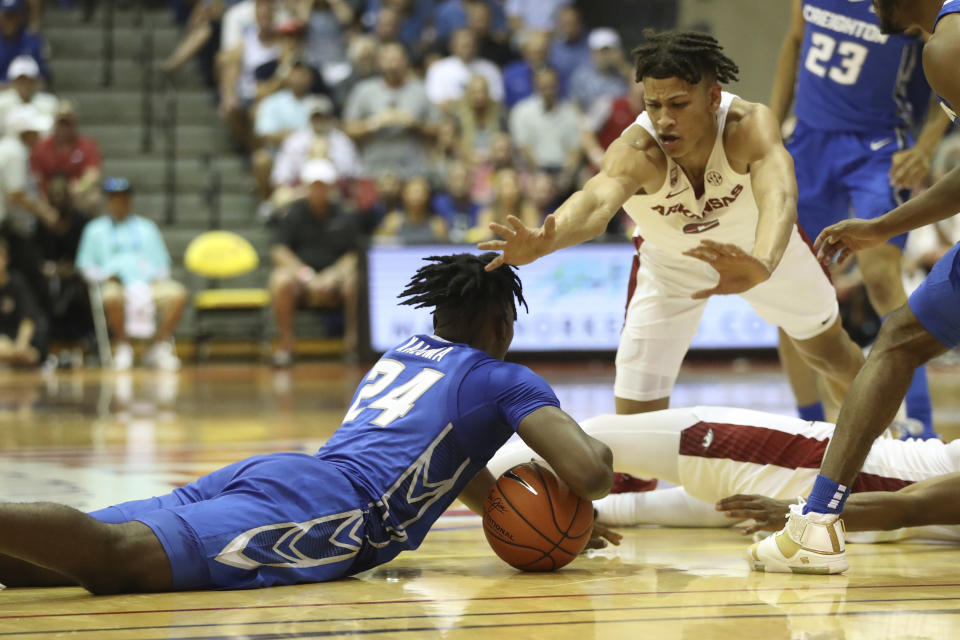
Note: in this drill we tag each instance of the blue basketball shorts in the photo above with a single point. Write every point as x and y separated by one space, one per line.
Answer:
842 174
936 302
278 519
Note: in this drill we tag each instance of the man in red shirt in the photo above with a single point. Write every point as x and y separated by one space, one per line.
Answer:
607 119
67 152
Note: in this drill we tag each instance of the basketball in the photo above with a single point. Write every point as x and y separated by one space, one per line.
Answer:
533 521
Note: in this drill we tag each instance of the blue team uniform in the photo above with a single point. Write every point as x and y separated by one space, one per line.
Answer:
858 95
423 423
936 303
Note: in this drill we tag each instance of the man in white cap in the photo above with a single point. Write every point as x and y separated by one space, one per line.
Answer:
24 74
315 259
607 75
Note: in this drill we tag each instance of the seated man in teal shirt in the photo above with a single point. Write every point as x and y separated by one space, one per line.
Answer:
125 254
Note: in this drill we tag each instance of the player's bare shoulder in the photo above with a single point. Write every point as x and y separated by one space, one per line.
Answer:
750 128
637 154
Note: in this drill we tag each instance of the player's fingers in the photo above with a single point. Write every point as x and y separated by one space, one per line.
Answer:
516 223
743 514
501 230
596 543
701 253
495 263
734 502
492 245
550 225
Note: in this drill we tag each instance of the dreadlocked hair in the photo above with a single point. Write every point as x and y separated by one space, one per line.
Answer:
688 55
459 290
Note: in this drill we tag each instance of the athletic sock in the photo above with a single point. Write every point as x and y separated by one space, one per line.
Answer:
827 496
918 402
812 412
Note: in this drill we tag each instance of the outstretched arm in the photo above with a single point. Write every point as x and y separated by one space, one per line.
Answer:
929 502
757 142
585 214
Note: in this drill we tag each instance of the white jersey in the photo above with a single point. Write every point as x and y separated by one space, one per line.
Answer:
674 219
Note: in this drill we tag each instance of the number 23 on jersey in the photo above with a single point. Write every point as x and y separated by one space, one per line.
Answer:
821 52
393 401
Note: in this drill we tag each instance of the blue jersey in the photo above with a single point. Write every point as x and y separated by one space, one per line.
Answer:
424 422
951 6
852 77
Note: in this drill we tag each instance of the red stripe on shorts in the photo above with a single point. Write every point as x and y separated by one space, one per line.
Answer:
759 445
806 241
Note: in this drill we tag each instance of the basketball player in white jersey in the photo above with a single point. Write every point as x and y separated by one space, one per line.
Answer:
706 177
719 455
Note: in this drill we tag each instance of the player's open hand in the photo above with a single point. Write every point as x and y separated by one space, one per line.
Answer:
767 514
601 535
909 168
520 244
840 241
739 271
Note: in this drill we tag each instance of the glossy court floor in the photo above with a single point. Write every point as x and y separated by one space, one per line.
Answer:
90 439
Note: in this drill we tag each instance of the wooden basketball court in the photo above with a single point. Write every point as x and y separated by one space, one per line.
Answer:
90 439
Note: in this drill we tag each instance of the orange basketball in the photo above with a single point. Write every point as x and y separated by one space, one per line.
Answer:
533 521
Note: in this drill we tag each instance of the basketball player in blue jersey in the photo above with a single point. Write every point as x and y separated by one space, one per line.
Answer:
924 328
418 434
851 147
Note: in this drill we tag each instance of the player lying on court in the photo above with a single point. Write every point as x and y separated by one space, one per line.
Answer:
706 177
420 429
715 452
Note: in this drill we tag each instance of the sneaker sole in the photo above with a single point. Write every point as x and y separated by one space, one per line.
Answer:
830 568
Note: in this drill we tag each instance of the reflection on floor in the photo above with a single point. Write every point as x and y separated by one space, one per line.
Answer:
90 439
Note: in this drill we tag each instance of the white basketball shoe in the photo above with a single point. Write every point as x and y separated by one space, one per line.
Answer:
809 543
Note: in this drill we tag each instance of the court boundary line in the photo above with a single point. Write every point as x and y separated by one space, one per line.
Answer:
480 599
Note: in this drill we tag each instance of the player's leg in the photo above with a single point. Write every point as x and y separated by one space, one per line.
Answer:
656 336
821 201
799 298
103 558
802 379
873 196
911 336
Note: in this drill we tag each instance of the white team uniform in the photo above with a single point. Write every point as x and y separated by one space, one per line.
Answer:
715 452
662 318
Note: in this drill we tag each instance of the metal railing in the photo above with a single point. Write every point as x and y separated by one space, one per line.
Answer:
146 89
109 7
169 126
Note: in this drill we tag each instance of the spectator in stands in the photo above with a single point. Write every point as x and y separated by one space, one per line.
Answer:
69 152
315 260
607 119
415 223
201 31
24 74
258 45
543 194
22 342
546 130
509 200
362 54
327 26
391 120
126 256
479 119
503 155
455 204
534 15
447 78
321 139
58 241
20 205
279 115
607 75
488 24
570 49
17 40
451 15
518 77
406 21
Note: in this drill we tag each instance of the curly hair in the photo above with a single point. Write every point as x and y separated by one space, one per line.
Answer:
688 55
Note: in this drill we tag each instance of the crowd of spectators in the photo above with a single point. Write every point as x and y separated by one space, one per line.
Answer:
54 242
